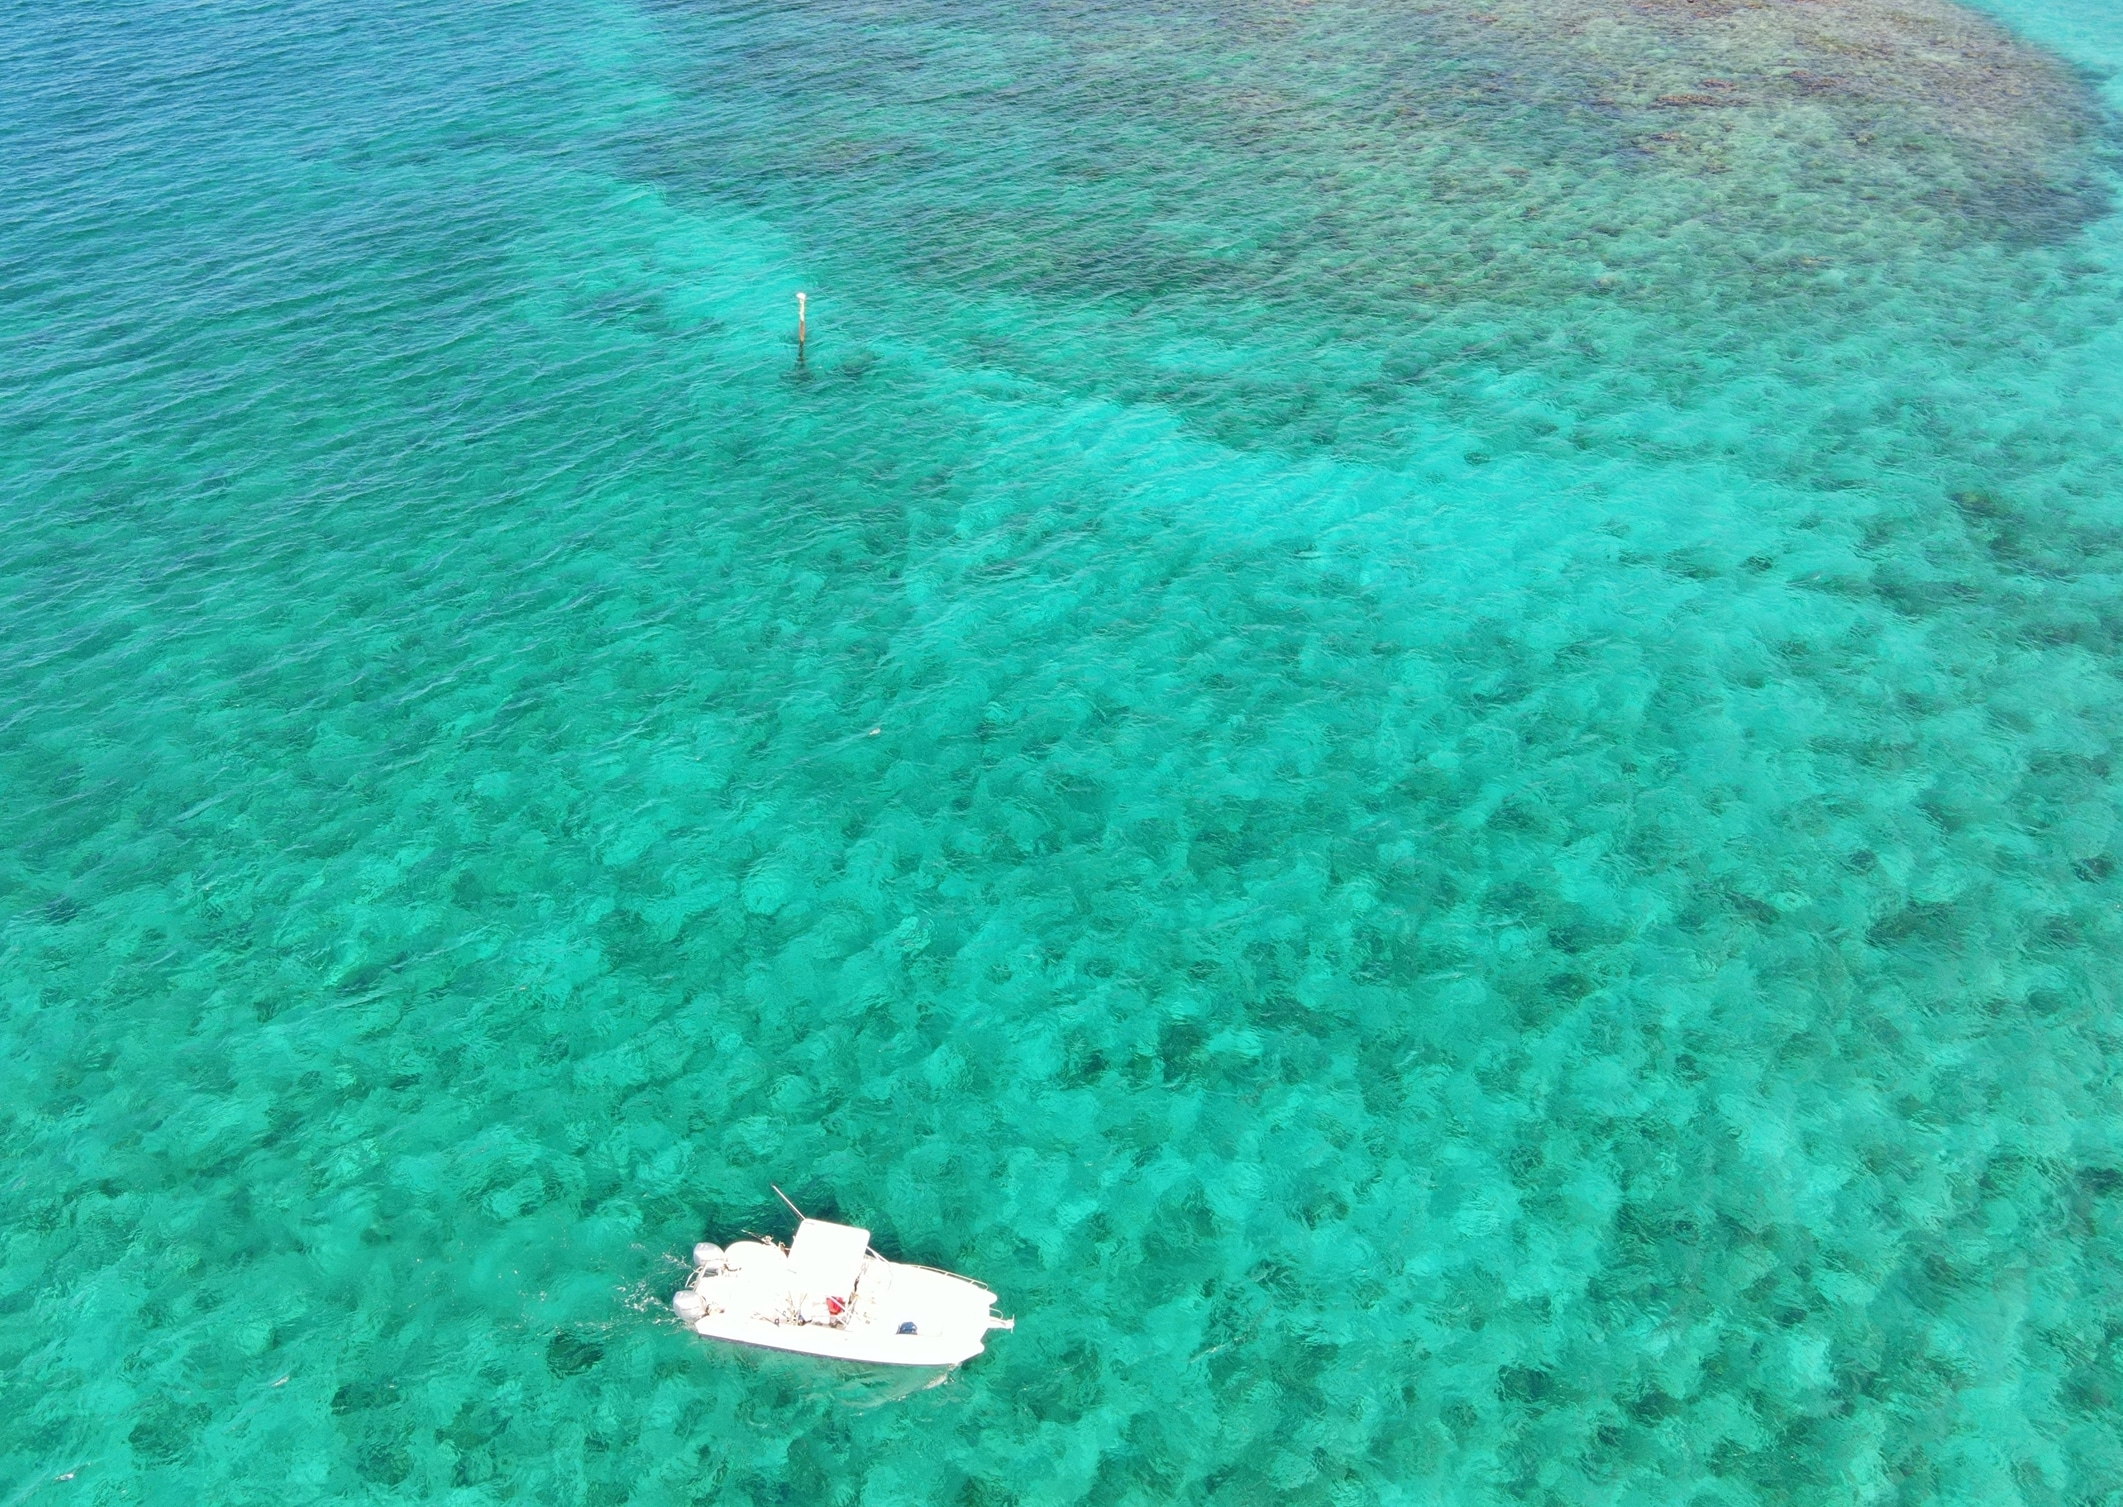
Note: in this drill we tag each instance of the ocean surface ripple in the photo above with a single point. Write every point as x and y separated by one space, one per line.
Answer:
1410 714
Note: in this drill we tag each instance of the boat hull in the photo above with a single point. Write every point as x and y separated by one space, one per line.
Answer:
862 1347
830 1296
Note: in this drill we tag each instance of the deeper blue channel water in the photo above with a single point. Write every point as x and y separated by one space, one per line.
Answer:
1411 716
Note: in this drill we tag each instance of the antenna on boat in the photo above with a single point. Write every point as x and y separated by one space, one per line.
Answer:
789 1201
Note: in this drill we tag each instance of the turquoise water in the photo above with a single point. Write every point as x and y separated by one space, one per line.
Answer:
1410 715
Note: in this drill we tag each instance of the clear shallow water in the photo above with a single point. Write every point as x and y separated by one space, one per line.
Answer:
1486 871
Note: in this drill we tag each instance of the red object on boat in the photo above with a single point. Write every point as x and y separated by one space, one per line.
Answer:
834 1305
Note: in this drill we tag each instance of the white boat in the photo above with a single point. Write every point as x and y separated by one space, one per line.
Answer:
829 1294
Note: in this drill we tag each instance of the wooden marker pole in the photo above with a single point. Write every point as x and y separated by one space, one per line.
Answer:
799 323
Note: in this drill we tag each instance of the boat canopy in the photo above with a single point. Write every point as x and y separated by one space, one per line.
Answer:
824 1259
